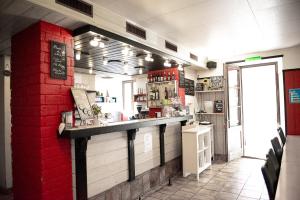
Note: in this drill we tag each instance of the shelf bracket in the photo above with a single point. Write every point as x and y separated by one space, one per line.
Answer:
131 134
162 130
81 172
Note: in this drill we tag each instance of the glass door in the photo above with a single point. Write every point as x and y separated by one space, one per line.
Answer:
234 125
260 108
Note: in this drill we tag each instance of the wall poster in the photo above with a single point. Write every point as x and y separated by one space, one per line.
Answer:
294 95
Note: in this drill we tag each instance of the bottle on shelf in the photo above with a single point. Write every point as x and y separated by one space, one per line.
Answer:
173 76
165 76
169 76
166 93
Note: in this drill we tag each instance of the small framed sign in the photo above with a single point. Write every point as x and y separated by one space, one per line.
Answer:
181 79
189 87
58 61
294 95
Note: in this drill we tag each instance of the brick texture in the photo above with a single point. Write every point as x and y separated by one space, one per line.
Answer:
42 167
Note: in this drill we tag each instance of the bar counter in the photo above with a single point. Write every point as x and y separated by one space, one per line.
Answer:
82 135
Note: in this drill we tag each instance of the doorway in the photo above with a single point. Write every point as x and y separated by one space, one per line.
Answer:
253 111
260 108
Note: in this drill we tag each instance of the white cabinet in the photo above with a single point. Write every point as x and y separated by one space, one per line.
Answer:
196 149
211 130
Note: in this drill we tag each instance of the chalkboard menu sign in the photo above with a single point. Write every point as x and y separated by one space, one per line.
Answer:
181 79
189 87
58 61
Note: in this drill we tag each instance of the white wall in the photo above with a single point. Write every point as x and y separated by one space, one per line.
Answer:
140 81
191 100
114 88
291 60
5 126
87 79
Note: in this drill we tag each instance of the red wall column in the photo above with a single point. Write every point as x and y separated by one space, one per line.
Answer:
42 167
292 110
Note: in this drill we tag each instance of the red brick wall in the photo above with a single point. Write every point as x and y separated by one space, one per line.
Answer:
42 167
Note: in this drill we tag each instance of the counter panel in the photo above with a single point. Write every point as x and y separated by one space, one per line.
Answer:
107 156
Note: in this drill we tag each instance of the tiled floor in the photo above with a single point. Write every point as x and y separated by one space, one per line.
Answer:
238 180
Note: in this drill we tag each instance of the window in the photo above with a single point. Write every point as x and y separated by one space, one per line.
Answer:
128 98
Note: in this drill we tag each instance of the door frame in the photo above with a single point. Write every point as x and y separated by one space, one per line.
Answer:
277 95
242 64
226 102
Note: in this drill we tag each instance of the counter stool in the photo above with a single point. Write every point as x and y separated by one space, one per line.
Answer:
282 135
271 155
270 177
277 148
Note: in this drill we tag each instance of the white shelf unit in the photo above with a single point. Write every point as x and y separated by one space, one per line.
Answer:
211 131
196 149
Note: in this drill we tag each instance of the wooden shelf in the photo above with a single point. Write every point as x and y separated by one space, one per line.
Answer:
140 95
209 91
161 82
209 113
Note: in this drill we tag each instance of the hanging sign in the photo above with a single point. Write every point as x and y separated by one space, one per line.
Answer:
58 59
294 95
253 58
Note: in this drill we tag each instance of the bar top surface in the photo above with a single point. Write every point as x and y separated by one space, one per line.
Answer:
288 187
88 131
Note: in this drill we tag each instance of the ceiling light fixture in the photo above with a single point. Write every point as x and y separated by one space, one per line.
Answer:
127 51
105 61
167 63
125 66
78 55
101 44
95 41
149 58
180 68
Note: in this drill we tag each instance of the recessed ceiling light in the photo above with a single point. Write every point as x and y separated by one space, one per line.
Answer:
95 41
180 68
78 55
105 61
126 66
149 58
140 71
167 63
101 44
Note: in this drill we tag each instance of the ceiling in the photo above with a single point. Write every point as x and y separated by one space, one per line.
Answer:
113 53
15 15
217 28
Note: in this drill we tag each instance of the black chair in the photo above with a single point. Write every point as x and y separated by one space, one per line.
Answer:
277 148
282 135
271 156
270 177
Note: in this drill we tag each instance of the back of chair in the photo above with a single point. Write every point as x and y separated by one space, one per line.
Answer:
282 135
270 178
277 148
271 155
